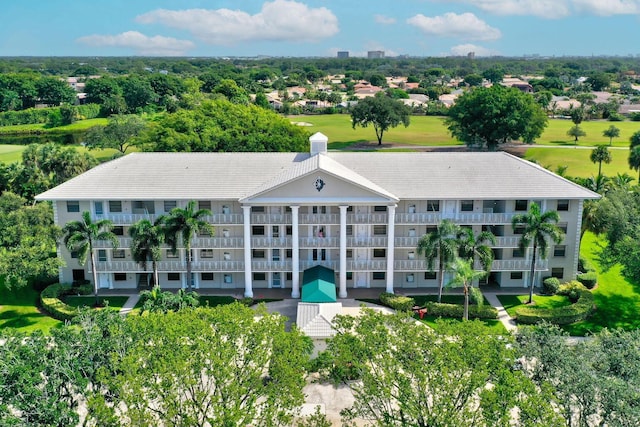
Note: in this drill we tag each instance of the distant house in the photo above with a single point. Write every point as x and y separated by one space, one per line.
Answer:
523 87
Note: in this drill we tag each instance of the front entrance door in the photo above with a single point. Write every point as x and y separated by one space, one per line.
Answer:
276 280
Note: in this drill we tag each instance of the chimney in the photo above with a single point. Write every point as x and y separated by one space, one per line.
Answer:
318 143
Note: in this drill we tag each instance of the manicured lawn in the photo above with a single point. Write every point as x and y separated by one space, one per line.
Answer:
512 302
577 160
18 310
11 153
556 133
115 302
80 125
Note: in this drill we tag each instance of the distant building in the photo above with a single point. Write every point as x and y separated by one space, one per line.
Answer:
471 55
343 54
375 54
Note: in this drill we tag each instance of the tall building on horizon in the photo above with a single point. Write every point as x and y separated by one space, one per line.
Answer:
343 54
375 54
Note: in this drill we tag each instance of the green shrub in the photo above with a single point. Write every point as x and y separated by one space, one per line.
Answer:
615 117
575 312
50 299
550 285
571 289
247 301
475 296
88 111
634 117
456 311
585 265
397 302
588 279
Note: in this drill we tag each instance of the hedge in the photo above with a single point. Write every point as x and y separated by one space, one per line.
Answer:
584 265
576 312
588 279
397 302
457 311
550 285
52 304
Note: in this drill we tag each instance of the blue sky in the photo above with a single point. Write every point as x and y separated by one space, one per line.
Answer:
319 27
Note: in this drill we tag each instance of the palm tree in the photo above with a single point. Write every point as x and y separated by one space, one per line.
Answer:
600 154
181 226
146 239
611 132
634 159
81 236
538 228
441 244
472 246
464 275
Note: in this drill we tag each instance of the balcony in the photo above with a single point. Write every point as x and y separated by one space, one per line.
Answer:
515 265
271 242
406 242
267 218
271 265
220 219
418 218
319 242
410 265
218 242
367 218
367 265
483 218
126 218
323 219
507 241
367 242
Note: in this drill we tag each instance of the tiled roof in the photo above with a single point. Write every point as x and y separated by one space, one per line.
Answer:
398 175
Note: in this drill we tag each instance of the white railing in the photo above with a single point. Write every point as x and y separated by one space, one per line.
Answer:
367 218
319 242
216 266
319 219
126 218
367 265
515 265
410 265
270 218
483 218
123 243
406 242
217 242
224 219
271 266
334 265
418 218
369 242
507 241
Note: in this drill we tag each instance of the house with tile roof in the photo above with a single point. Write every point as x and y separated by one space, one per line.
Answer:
358 213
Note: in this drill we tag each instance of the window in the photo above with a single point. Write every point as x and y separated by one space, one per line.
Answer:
172 254
432 229
73 206
563 205
289 275
115 206
289 253
518 229
349 230
257 253
466 205
349 275
349 253
118 230
118 253
289 230
257 209
144 207
77 275
74 254
257 230
430 275
259 277
412 209
379 208
206 253
319 209
322 254
227 256
169 205
379 253
433 205
228 278
521 205
516 275
204 204
119 277
563 226
275 231
98 207
349 208
410 278
379 275
206 277
518 253
412 232
102 255
411 255
559 251
174 277
379 230
275 255
557 272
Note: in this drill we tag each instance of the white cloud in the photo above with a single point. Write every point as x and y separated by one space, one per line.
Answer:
608 7
279 20
385 20
466 26
464 49
142 44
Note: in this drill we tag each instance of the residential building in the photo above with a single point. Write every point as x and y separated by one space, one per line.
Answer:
375 54
277 214
343 54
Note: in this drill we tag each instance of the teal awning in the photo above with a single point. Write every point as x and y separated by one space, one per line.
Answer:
319 285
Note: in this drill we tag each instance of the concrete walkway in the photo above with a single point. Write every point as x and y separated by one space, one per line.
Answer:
128 306
503 316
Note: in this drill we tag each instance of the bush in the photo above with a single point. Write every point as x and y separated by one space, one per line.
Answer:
156 300
397 302
550 285
585 265
475 296
635 117
50 299
615 117
88 111
576 312
457 310
588 279
571 289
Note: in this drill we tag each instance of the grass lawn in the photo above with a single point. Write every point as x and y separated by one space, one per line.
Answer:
115 302
80 125
512 302
18 310
556 133
11 153
577 160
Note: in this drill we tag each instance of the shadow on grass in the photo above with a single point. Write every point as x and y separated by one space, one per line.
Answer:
613 311
564 143
342 145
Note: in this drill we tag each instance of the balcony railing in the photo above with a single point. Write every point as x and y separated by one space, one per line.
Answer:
483 218
410 265
418 218
218 242
367 218
515 265
271 265
367 242
271 242
507 241
406 242
319 242
319 219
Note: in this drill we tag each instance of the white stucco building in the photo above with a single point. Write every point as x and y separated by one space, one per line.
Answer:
359 213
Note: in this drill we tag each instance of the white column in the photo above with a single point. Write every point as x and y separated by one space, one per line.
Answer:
295 253
248 289
343 252
391 225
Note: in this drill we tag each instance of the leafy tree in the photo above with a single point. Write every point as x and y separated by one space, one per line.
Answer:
577 115
473 79
634 159
218 367
181 226
635 139
600 154
119 134
232 91
380 111
493 74
409 375
538 228
262 101
513 115
611 132
377 80
54 91
472 246
463 276
99 91
146 242
599 81
441 244
81 236
137 93
576 132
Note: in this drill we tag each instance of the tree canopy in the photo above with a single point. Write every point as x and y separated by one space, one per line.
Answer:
382 112
488 117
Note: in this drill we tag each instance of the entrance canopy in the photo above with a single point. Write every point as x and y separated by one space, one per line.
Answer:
319 285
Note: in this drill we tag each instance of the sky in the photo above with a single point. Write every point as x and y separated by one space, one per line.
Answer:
304 28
